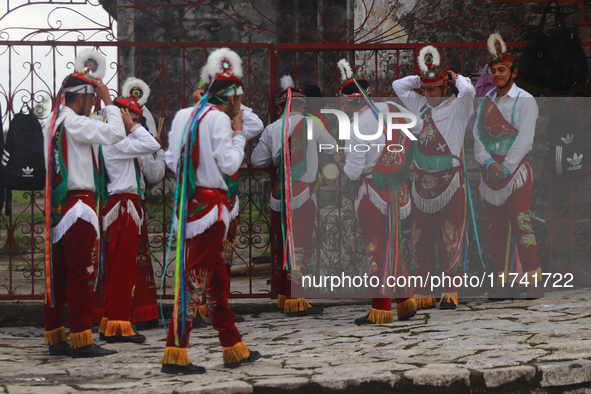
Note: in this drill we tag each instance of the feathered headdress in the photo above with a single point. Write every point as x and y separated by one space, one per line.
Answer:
137 90
432 74
347 78
285 83
222 64
92 63
498 51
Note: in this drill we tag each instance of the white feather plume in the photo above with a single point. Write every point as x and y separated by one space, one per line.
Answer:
213 66
421 59
132 83
91 59
345 69
490 43
286 82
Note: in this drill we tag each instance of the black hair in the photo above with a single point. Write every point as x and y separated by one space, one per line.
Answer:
314 91
218 86
352 87
70 82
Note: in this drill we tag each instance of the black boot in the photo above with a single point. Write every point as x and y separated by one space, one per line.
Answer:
182 369
447 303
253 356
239 318
60 349
137 338
146 325
93 350
315 310
363 320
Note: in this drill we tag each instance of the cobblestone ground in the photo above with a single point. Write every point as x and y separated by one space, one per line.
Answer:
538 346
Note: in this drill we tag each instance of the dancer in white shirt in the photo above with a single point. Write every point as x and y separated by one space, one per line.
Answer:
438 193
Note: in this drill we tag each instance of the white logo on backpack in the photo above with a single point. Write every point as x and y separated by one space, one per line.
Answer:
575 162
27 172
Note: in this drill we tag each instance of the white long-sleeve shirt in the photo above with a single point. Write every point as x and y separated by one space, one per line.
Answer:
82 132
269 149
252 125
524 116
450 117
119 160
153 166
359 162
220 150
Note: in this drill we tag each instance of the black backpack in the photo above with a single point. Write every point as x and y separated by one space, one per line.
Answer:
556 61
569 157
23 160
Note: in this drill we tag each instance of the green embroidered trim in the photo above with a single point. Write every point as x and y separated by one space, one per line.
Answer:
433 163
499 145
395 179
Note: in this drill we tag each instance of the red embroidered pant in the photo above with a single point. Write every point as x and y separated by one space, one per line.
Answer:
374 227
207 273
121 260
303 230
445 226
515 211
74 272
144 305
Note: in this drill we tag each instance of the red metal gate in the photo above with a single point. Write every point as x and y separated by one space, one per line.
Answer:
561 219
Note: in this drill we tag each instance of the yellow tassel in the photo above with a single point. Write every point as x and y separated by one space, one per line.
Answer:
406 309
296 305
380 317
55 336
425 301
533 275
175 355
281 301
202 310
103 328
452 296
81 339
119 327
236 353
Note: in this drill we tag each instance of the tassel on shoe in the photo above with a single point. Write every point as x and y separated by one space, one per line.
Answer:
406 309
236 353
296 305
119 328
380 317
56 336
425 301
81 339
202 310
103 327
175 355
281 298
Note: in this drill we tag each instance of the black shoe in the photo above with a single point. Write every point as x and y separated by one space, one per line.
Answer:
533 292
254 355
447 303
363 320
102 336
137 338
315 310
504 293
182 369
60 349
239 318
146 325
93 350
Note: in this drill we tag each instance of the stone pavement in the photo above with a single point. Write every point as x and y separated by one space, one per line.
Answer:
541 346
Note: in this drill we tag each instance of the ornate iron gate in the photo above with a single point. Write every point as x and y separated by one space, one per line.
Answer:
307 48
